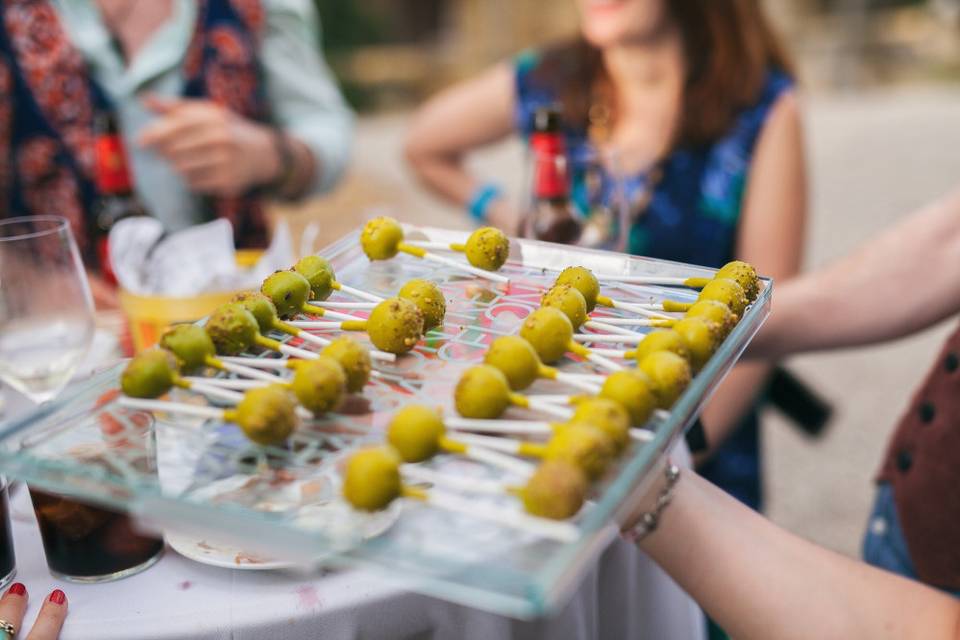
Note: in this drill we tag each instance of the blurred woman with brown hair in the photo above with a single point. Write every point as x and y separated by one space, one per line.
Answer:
696 99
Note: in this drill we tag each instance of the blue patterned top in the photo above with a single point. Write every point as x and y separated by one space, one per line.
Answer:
695 208
692 217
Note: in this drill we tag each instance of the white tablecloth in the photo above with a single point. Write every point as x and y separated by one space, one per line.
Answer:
625 596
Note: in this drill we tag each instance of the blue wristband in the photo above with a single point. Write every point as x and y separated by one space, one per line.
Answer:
480 201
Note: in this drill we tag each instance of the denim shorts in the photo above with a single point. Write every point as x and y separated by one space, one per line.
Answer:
883 544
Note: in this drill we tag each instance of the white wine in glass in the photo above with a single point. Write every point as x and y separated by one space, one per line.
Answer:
46 311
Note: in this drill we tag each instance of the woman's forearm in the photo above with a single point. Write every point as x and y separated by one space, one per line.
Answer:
761 582
453 123
902 281
445 176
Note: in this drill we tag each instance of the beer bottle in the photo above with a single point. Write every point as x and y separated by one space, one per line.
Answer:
116 199
551 216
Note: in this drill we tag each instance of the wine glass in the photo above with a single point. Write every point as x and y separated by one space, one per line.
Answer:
46 311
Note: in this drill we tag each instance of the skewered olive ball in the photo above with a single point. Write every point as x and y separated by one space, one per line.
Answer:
371 479
353 358
556 490
516 359
633 390
319 384
395 325
669 374
716 313
415 432
149 375
662 340
568 300
700 339
191 345
260 306
728 292
583 280
608 416
267 415
232 329
318 273
482 392
583 446
743 274
381 238
429 299
549 331
487 248
288 290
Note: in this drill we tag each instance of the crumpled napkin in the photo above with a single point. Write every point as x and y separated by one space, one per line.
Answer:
200 259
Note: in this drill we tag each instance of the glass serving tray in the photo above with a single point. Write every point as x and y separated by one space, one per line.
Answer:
203 478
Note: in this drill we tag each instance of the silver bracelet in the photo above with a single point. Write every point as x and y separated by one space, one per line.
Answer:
649 521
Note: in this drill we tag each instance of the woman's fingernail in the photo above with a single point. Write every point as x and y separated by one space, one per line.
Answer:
17 589
58 597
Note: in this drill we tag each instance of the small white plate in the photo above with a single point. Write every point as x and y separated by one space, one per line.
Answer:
219 554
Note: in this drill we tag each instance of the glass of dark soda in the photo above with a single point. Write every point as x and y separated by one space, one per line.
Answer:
86 543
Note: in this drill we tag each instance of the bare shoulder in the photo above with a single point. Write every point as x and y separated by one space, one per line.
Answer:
786 112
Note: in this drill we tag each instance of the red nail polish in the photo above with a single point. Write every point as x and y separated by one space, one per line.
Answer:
58 597
17 589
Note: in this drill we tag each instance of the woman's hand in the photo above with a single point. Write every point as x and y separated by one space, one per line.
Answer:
49 621
214 150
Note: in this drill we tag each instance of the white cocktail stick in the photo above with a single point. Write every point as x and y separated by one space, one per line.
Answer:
245 371
231 383
597 357
436 246
692 283
318 325
636 322
336 304
525 427
309 337
297 352
643 309
489 275
609 328
336 315
458 483
201 385
610 353
635 338
559 531
275 363
577 382
183 408
496 459
549 409
357 293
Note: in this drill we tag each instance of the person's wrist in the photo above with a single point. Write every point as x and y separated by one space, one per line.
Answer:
482 200
651 507
267 157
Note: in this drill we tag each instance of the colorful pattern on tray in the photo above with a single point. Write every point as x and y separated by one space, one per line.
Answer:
591 429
